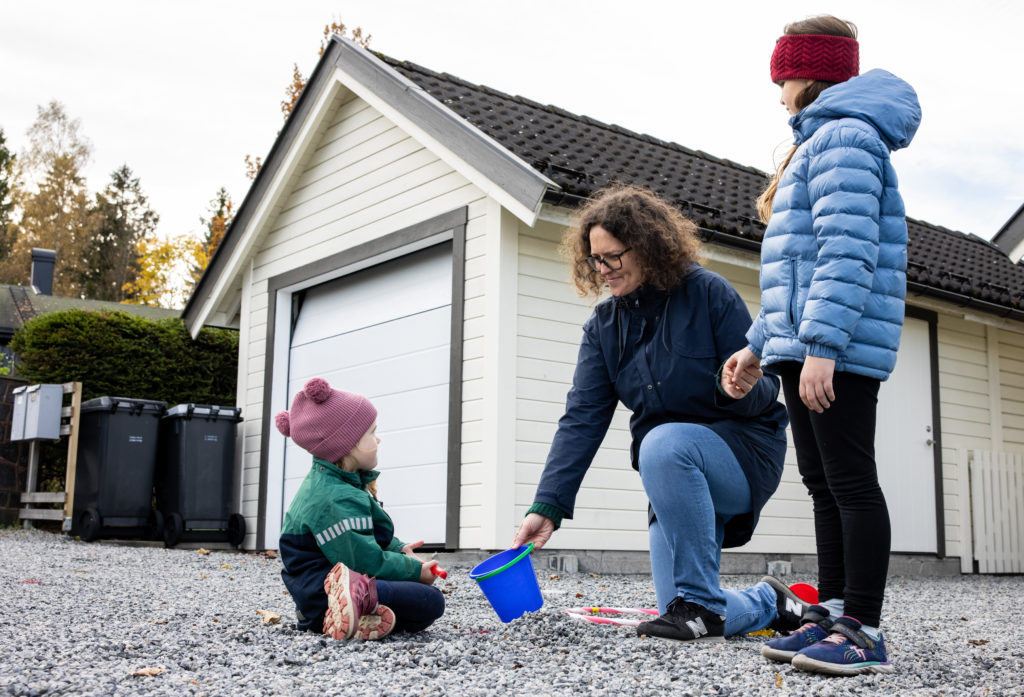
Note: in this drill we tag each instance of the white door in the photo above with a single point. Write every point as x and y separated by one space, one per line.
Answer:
384 333
903 444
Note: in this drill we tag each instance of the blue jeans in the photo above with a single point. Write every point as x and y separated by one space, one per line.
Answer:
695 484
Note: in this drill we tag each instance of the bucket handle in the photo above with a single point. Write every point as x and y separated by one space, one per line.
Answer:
529 548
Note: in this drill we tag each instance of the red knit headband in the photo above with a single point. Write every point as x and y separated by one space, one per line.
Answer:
815 57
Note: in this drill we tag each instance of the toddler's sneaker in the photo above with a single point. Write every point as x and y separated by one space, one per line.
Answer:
351 598
789 607
815 628
846 651
685 621
376 625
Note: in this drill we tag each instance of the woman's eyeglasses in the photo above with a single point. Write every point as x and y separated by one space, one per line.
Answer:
612 261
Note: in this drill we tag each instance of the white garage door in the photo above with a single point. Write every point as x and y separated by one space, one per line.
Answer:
384 332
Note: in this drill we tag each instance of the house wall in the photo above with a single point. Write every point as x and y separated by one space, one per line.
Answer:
361 178
981 396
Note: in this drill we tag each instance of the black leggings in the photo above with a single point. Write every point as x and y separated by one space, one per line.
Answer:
835 453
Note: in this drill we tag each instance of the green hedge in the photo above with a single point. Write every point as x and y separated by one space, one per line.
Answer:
117 354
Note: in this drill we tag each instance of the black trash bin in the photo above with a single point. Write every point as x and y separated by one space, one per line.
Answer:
117 445
195 474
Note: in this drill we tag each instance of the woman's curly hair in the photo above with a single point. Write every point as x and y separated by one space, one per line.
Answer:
663 239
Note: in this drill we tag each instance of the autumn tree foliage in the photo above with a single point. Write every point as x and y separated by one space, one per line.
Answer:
294 89
54 209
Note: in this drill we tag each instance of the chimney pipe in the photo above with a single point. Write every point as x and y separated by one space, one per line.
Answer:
43 261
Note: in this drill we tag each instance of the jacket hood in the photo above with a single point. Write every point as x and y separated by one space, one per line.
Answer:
877 97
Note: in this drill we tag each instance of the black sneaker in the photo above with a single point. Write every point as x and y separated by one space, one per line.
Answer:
789 608
685 621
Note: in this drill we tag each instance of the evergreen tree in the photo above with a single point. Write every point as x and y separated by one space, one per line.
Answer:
7 186
123 218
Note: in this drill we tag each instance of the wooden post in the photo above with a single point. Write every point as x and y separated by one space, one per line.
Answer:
75 388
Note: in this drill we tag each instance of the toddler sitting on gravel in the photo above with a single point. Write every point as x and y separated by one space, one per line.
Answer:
346 571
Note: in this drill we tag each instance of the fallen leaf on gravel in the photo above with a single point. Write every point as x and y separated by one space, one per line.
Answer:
202 576
158 621
33 581
778 680
225 566
202 550
553 577
148 672
593 576
269 617
977 642
579 595
270 553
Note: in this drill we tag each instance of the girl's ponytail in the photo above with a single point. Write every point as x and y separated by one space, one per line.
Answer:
767 197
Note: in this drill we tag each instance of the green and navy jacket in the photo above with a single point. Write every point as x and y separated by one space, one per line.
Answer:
333 518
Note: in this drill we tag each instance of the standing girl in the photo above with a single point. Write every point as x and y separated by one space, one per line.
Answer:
833 282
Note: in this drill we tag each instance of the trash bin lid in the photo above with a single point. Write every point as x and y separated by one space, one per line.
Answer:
113 404
204 411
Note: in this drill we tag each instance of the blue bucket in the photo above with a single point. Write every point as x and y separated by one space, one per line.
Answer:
508 581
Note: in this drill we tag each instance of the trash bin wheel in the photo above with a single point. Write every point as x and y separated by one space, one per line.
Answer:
236 529
174 526
90 523
156 525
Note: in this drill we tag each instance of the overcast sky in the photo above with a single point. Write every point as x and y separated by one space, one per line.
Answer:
181 91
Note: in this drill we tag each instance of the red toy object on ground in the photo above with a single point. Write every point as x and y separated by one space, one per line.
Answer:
805 592
439 572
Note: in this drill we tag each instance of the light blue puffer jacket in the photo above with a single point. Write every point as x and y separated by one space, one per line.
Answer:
834 254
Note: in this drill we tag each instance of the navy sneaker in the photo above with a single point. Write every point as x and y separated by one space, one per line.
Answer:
846 651
815 628
788 606
685 621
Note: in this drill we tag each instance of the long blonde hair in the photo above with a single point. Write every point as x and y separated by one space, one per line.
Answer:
822 24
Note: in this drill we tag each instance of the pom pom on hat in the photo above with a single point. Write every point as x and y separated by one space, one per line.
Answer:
326 422
282 423
318 390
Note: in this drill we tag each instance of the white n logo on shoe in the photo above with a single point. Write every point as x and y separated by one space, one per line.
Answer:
696 626
795 607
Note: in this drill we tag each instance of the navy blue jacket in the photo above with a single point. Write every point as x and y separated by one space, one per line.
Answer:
658 353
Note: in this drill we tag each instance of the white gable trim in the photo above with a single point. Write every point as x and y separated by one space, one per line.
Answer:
491 188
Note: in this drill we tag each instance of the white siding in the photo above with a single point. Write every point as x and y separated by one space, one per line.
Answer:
363 179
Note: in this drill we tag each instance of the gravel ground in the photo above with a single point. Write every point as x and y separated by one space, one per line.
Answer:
83 619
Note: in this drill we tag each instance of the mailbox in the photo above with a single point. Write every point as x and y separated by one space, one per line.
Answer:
39 407
18 416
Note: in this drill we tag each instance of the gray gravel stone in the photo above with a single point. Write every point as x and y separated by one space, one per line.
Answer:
79 619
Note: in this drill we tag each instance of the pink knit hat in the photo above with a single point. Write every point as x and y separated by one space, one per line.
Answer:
326 422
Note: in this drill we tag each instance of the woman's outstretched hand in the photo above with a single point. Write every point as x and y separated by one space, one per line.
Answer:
535 528
740 373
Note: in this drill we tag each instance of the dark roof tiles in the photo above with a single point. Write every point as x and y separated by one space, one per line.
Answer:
581 154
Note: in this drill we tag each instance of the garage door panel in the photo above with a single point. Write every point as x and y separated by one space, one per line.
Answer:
378 342
394 376
399 288
427 406
400 448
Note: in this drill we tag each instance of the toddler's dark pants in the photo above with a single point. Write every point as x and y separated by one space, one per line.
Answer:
416 605
835 453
